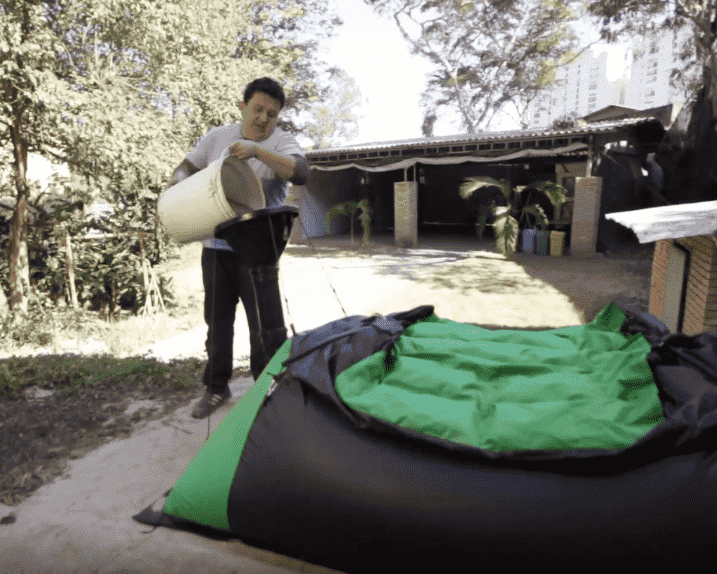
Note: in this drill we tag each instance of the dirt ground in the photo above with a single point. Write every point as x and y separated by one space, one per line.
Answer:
39 434
453 270
41 430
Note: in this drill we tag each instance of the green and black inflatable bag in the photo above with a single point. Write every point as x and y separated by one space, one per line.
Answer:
418 441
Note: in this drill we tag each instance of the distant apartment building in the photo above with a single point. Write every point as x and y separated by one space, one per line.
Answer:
652 63
637 76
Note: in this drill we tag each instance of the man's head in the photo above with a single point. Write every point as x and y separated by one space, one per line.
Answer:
263 100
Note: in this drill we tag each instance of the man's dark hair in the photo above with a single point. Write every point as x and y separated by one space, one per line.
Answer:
266 86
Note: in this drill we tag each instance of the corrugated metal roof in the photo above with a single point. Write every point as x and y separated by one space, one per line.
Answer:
396 163
670 222
597 127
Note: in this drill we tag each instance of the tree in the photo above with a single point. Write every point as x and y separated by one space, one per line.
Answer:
333 120
489 56
119 90
295 30
690 165
567 121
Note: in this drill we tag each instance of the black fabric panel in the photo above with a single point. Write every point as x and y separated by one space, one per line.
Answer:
312 486
318 356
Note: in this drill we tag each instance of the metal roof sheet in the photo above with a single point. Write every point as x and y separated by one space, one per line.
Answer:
597 127
396 163
670 222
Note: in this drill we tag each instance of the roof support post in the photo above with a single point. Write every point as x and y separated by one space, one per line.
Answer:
591 156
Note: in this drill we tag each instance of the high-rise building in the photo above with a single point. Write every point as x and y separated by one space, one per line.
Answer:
652 63
636 76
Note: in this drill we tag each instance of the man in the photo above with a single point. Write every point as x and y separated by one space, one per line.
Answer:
276 157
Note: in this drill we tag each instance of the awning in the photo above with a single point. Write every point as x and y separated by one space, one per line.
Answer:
670 222
410 162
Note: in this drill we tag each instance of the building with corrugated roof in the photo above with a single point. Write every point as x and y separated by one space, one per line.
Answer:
683 291
413 185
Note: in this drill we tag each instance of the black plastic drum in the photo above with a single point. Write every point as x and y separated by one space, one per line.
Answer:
259 238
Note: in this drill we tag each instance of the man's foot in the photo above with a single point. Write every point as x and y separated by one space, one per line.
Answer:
209 403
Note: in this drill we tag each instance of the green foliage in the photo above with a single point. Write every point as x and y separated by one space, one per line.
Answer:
568 121
690 23
68 373
106 253
350 208
488 57
119 91
506 225
333 120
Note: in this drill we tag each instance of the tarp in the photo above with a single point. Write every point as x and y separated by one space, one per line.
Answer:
296 470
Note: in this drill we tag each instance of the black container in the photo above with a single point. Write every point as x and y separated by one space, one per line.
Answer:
259 238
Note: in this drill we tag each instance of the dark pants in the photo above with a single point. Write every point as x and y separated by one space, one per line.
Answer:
226 281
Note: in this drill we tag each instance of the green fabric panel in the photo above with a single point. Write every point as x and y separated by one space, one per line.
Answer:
578 387
202 492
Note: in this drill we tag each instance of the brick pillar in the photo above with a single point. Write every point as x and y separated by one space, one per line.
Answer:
586 214
406 213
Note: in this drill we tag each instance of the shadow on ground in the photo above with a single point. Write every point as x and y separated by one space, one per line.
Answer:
466 265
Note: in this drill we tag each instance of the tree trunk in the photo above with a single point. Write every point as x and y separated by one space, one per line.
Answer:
19 262
691 173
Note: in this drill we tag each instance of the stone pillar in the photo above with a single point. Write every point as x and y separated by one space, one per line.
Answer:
586 215
406 213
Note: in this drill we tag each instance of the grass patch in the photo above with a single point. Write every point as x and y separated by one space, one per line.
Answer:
66 374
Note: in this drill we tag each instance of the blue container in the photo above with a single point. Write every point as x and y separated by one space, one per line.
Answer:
528 240
543 242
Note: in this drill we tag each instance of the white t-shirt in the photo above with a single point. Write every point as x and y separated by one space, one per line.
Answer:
212 145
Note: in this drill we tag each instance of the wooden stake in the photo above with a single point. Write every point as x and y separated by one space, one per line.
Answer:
70 270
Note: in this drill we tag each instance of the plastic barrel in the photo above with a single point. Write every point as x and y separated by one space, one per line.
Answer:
557 239
194 207
543 239
529 241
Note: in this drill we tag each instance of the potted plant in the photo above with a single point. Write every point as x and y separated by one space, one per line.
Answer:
350 208
506 225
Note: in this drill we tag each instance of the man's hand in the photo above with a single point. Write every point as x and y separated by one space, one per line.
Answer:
243 150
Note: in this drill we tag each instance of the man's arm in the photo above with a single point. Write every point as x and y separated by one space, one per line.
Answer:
183 171
291 167
283 165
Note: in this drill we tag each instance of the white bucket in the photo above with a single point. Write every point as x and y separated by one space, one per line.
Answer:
191 209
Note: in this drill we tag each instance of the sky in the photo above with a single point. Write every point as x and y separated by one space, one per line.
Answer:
372 51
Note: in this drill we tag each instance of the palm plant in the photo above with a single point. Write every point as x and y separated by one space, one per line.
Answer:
350 208
506 225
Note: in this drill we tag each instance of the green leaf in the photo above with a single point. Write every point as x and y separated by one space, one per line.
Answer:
506 229
473 184
556 193
537 212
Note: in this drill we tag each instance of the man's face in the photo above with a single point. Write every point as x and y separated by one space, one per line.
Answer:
259 116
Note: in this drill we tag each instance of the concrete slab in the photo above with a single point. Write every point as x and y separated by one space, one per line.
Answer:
83 522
